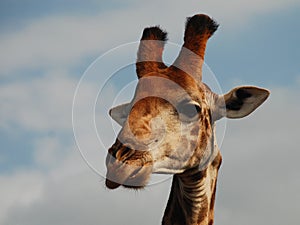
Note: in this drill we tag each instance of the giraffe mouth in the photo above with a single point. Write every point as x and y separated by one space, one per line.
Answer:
136 180
127 167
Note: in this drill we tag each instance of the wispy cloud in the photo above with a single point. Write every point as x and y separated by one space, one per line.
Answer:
21 189
39 104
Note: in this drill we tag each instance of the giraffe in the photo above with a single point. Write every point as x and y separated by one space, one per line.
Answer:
169 126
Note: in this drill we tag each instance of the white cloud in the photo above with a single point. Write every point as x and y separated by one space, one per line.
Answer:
49 151
21 189
40 104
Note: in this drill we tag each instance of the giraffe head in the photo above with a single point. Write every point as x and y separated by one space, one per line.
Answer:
168 127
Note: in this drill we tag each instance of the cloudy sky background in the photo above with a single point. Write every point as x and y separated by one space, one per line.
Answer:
46 46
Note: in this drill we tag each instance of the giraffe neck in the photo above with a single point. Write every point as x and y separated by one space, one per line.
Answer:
192 197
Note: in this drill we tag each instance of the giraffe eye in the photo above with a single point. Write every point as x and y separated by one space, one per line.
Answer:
189 111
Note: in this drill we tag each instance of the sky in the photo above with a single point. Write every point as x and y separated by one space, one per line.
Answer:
54 53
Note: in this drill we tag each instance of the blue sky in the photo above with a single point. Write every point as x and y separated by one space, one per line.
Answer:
15 14
47 45
266 50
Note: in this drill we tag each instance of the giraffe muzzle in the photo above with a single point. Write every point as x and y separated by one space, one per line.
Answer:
127 167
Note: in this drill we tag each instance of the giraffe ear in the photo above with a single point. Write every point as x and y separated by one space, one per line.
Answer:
120 113
241 101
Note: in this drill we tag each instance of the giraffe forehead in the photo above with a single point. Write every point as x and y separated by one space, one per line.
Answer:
172 90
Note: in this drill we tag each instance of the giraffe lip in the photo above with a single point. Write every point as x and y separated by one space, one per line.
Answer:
111 184
137 178
114 181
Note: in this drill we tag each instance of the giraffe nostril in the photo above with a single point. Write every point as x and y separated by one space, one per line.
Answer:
119 152
124 153
113 152
114 148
